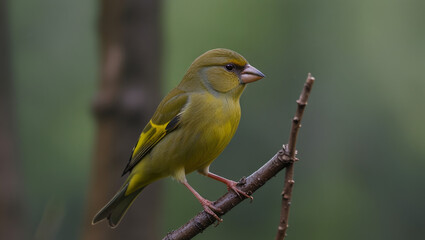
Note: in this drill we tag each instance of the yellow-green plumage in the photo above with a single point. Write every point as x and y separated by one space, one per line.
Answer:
190 128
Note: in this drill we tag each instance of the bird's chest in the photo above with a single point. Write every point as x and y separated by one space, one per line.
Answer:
214 118
213 123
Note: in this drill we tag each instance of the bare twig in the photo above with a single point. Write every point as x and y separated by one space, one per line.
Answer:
290 153
249 185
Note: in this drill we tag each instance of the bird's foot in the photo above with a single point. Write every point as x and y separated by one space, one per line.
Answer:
231 185
211 209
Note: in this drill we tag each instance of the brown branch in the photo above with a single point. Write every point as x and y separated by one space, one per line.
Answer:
290 153
249 185
230 199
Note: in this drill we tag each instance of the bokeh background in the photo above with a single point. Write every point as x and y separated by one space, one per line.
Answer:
361 173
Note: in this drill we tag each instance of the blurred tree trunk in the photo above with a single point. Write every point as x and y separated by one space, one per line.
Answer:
129 92
11 224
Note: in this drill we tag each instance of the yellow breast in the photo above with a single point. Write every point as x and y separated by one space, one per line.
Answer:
212 122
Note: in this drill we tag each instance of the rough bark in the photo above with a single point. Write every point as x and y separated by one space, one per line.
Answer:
129 90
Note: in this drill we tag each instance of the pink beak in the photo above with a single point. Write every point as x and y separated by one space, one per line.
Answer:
251 74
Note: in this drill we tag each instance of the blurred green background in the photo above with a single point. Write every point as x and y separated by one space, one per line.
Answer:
361 173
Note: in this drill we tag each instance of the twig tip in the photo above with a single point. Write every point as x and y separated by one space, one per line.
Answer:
310 77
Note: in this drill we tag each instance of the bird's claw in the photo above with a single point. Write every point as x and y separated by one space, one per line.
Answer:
211 209
232 186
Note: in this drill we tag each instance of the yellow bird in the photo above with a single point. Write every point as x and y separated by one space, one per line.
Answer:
190 128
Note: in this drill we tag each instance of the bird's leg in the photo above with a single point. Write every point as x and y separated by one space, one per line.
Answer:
230 184
206 204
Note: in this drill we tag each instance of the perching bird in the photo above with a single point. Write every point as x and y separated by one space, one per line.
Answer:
190 128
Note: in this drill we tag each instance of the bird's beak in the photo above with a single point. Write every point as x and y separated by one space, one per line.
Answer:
251 74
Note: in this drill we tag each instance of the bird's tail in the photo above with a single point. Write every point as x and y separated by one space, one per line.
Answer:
117 207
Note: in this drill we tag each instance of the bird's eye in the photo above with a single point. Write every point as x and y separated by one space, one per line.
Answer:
230 67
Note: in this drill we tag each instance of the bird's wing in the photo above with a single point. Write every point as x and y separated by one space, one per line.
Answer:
165 119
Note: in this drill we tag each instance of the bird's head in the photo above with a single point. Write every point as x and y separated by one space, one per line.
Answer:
220 70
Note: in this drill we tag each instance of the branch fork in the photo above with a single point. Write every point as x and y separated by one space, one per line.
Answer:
284 155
